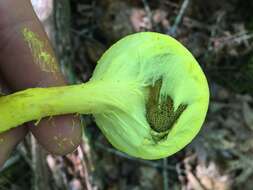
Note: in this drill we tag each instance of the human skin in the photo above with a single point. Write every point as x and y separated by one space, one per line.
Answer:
19 70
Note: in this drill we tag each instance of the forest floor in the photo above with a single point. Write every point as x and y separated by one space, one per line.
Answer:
219 33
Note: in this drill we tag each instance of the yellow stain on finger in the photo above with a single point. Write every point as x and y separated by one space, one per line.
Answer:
42 57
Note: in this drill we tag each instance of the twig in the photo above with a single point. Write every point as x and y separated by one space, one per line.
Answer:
236 38
82 32
213 33
171 4
147 8
172 31
10 162
22 150
87 183
57 171
165 175
40 175
192 23
62 23
148 11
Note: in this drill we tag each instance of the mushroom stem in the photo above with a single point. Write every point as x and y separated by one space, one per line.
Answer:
36 103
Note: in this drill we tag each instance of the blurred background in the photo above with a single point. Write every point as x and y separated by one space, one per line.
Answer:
219 33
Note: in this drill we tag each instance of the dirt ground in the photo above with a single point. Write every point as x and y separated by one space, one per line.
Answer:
219 33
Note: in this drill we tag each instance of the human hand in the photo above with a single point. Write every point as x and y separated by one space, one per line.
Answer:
20 70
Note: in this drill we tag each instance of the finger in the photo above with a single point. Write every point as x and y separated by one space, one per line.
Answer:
23 66
9 139
64 134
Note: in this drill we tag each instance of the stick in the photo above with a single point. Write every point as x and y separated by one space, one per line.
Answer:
172 31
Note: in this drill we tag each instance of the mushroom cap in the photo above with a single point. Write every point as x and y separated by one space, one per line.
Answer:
133 65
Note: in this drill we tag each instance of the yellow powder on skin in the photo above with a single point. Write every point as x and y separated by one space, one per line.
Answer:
42 57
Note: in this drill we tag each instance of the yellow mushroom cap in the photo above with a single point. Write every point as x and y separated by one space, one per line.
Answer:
131 67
